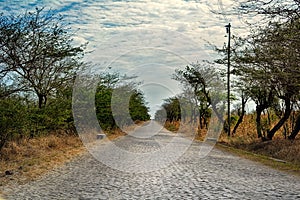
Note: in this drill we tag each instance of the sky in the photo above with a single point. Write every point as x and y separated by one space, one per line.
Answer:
145 38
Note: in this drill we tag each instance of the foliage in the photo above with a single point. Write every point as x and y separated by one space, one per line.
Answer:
137 108
266 62
36 53
269 60
118 103
20 118
13 119
103 108
172 108
273 10
37 62
206 84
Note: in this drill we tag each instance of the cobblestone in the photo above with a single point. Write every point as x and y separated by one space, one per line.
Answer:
219 175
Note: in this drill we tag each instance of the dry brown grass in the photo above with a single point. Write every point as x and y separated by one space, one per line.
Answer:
115 134
288 152
172 126
201 135
29 158
279 148
266 160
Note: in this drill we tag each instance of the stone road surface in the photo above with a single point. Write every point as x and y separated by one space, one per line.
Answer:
219 175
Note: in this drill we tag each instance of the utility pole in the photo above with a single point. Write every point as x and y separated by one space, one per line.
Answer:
228 76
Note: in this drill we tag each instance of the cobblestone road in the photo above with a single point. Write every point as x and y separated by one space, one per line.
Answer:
220 175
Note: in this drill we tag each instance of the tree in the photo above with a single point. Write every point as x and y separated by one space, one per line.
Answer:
118 102
266 62
137 107
189 108
270 59
241 111
296 129
172 108
271 10
37 53
103 107
160 115
207 86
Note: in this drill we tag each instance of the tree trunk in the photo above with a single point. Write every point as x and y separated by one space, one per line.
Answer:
258 120
40 100
287 112
213 105
218 114
200 118
240 120
195 116
192 112
241 115
3 140
296 129
205 122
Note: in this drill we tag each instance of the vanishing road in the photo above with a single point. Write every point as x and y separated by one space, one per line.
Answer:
219 175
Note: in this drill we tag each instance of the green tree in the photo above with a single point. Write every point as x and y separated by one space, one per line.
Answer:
103 107
137 107
118 102
268 62
172 108
275 49
37 53
207 87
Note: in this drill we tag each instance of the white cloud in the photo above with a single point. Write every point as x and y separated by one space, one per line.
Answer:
118 31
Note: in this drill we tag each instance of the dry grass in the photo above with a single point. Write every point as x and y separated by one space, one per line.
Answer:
201 135
246 143
288 152
282 165
172 126
115 134
29 158
119 133
278 148
246 139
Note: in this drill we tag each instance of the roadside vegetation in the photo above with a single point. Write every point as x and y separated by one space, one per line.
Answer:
265 70
39 60
38 64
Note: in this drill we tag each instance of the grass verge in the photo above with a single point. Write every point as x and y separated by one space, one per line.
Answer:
278 164
26 160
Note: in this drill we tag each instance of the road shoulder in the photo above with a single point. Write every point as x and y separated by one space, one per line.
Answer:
274 163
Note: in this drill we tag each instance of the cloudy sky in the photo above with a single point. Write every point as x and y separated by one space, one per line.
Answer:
146 38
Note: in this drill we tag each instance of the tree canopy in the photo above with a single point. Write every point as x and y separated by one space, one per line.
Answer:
37 53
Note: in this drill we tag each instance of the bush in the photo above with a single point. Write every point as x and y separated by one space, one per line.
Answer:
21 118
13 123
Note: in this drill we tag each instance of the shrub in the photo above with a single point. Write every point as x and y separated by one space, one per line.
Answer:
13 121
